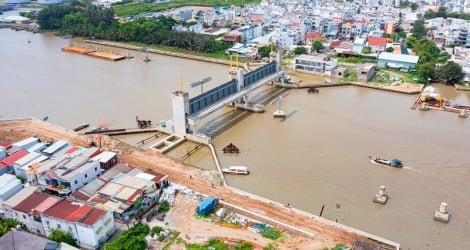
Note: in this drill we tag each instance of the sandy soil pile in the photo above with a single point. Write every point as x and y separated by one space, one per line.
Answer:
200 181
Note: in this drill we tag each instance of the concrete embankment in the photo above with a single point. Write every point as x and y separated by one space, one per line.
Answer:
160 52
404 88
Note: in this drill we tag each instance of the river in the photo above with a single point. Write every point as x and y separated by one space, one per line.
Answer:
317 156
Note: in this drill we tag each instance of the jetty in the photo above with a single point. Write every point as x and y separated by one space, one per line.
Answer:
94 53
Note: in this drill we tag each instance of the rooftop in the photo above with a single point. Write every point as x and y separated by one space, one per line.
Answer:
17 239
14 157
398 57
20 196
34 200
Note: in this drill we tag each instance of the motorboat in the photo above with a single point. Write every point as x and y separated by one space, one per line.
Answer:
392 163
236 170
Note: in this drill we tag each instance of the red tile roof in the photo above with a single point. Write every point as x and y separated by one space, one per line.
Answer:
313 35
72 149
93 216
79 213
74 212
2 165
6 144
377 41
335 44
14 157
30 202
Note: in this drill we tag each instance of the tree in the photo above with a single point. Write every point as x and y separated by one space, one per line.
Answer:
414 6
450 73
418 29
317 45
426 70
7 224
366 50
61 236
389 49
299 50
263 51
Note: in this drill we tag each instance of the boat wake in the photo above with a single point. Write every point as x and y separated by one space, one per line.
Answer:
413 169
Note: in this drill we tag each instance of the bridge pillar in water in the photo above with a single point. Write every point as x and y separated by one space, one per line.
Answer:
180 103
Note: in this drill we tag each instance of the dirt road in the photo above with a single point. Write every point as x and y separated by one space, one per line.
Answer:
200 181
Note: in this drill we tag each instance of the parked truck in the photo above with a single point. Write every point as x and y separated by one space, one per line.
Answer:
206 206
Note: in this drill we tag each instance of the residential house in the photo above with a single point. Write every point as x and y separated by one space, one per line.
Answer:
22 164
90 226
107 159
322 65
29 211
377 44
366 72
9 185
69 175
310 37
123 190
345 48
358 44
38 147
396 61
232 37
7 206
185 15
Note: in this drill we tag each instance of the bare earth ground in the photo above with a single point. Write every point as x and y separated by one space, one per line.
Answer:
182 218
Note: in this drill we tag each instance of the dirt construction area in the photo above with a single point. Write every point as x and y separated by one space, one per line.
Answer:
181 216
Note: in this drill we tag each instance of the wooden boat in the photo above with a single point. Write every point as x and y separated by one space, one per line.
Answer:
236 170
312 90
392 163
83 126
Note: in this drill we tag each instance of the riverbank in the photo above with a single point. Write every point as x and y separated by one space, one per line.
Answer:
157 51
327 233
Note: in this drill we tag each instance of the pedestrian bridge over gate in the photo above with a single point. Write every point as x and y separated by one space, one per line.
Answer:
187 112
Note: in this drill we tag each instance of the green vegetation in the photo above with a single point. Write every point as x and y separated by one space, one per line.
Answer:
300 50
219 245
366 50
351 75
155 230
139 8
61 236
317 45
442 12
271 233
174 238
21 178
337 247
164 207
271 246
263 51
7 224
382 77
92 21
132 239
430 56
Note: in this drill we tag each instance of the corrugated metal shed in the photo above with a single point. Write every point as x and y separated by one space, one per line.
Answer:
56 146
27 158
398 57
104 156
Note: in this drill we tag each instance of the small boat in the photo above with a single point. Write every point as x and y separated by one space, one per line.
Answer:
236 170
83 126
392 163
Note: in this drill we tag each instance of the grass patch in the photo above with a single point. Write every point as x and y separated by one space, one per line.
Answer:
211 244
163 208
351 75
465 87
271 233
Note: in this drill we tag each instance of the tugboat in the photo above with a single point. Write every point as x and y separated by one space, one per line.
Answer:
392 163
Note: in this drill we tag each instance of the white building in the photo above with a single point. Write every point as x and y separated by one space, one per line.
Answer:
322 65
28 211
55 147
8 205
9 185
90 226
